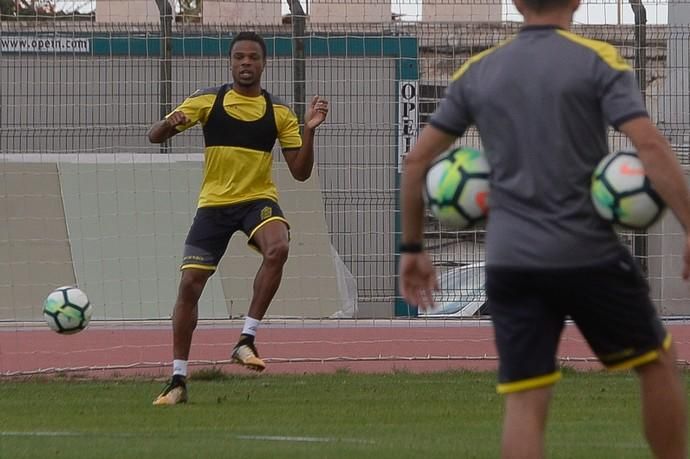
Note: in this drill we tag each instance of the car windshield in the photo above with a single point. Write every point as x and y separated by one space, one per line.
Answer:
459 288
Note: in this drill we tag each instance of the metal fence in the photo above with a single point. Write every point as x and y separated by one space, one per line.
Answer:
83 92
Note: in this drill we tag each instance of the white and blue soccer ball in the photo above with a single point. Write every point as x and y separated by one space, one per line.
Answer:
622 193
67 310
456 188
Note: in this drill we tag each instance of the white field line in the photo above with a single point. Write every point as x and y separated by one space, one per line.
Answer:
288 323
302 439
133 434
641 445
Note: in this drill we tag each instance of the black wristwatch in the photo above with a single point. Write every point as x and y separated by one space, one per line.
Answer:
411 247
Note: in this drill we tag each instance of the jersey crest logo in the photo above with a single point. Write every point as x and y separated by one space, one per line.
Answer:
266 212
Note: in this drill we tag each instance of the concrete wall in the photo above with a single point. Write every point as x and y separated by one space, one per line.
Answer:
666 239
264 12
35 252
127 11
268 12
668 290
338 11
117 231
675 102
463 11
77 110
665 242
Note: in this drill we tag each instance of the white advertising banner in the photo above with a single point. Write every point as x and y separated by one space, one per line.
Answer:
29 44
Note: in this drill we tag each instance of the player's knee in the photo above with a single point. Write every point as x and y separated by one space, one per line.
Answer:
277 253
192 283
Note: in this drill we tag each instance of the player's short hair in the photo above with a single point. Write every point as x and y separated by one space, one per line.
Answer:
545 5
248 36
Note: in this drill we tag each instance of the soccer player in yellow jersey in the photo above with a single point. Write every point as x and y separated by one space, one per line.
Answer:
241 122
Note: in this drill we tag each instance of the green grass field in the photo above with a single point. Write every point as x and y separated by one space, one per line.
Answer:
342 415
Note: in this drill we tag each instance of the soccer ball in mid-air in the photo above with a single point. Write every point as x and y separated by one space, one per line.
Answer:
622 193
67 310
456 188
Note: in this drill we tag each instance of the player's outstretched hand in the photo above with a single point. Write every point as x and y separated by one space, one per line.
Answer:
417 279
177 118
316 114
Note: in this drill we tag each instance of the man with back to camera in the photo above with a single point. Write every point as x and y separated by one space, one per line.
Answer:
241 122
542 102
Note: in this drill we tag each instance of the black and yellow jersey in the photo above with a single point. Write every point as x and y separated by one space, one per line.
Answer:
239 134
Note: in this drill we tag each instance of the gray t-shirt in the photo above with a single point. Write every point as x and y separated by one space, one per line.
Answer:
542 102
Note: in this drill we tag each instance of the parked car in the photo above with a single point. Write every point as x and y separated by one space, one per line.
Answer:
462 293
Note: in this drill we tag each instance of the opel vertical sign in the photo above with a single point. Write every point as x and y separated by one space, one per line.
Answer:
407 118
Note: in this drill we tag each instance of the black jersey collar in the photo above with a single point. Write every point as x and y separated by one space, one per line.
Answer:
540 27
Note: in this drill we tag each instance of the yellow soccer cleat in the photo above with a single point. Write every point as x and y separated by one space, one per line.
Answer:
245 354
174 393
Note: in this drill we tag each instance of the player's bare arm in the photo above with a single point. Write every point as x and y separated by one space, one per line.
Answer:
664 172
164 129
301 161
417 274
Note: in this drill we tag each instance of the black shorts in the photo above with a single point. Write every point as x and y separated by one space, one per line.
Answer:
213 227
610 305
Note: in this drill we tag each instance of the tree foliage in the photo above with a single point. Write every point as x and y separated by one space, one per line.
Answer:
46 9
